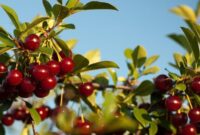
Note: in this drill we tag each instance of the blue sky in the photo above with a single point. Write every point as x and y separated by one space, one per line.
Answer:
138 22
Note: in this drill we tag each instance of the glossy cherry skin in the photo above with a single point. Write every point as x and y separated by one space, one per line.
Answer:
54 67
31 67
194 115
179 119
48 83
40 72
7 120
20 113
189 129
66 65
40 93
27 85
163 83
32 42
86 89
83 127
14 77
195 85
3 69
173 103
42 112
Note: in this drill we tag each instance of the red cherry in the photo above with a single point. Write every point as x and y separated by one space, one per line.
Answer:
189 129
3 69
14 77
86 89
39 92
54 67
40 72
32 42
27 85
194 115
48 83
195 85
83 126
163 83
20 113
31 67
47 110
179 119
25 94
67 65
173 103
7 120
42 112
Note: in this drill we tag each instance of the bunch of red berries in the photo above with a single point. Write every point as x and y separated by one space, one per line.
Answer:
185 120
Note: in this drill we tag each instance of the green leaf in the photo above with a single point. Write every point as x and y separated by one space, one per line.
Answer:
72 3
181 40
35 22
62 45
128 53
197 11
3 31
151 70
144 89
12 15
98 5
174 76
153 129
35 116
139 56
185 12
167 125
60 1
193 42
4 50
113 75
93 56
48 7
6 40
180 86
142 116
60 12
100 65
46 50
80 62
67 26
4 57
109 105
151 60
71 43
178 58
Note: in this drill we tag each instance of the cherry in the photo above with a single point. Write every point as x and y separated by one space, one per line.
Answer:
20 113
163 83
195 85
27 85
25 94
83 126
42 112
47 110
31 67
189 129
173 103
3 69
54 67
32 42
39 92
7 119
67 65
194 115
86 89
48 83
14 77
40 72
179 119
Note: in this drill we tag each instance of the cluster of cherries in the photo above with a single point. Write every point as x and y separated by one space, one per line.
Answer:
173 103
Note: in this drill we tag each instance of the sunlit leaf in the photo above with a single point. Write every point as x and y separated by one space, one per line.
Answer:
93 56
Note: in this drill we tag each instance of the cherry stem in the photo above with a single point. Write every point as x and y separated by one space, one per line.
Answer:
61 98
33 127
189 101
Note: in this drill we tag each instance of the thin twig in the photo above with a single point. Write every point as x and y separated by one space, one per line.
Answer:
33 127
